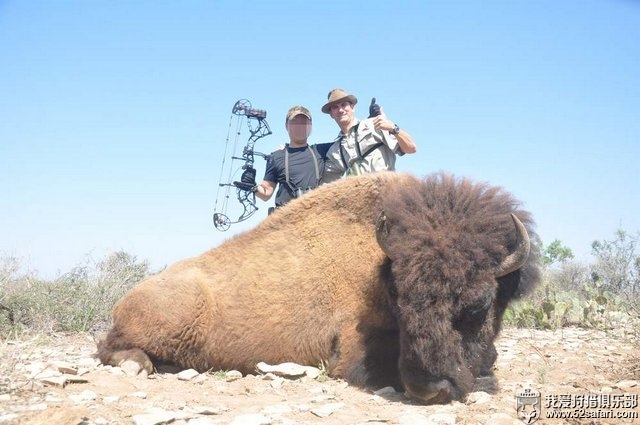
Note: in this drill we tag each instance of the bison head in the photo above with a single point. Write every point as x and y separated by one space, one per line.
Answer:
456 258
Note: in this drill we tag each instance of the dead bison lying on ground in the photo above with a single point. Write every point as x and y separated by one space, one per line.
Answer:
386 278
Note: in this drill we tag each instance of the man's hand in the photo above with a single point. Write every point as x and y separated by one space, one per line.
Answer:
246 186
381 122
248 180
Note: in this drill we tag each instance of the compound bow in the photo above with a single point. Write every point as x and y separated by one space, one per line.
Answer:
258 128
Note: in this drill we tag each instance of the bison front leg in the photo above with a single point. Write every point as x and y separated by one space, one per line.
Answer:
109 356
368 358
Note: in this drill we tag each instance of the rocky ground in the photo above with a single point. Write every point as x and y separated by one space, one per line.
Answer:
55 380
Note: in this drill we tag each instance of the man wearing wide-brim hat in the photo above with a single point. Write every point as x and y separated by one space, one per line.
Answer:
365 146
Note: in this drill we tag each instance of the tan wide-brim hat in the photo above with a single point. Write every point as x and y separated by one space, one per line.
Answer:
337 96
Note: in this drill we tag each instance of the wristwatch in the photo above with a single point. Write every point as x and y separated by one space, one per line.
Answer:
395 130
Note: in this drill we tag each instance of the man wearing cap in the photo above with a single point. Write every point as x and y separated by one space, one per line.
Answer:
298 167
365 146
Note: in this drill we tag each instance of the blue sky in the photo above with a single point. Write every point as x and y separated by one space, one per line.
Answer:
114 114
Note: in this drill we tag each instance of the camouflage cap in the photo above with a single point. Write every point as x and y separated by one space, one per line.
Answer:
298 110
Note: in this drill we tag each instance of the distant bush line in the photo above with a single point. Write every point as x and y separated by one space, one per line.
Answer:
80 300
602 294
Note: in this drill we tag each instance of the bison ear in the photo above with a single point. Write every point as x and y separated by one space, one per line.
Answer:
382 232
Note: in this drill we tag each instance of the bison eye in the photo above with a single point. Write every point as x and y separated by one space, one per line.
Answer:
472 316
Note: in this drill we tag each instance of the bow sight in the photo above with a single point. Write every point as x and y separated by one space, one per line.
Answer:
258 128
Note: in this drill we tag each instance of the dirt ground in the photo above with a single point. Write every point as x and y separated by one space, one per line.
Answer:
568 362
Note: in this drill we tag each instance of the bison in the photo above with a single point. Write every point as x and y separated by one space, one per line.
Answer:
386 279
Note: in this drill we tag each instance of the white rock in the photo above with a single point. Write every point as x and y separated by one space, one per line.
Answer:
139 394
188 374
57 381
626 384
283 369
116 371
385 391
86 395
232 375
327 409
478 397
312 372
66 367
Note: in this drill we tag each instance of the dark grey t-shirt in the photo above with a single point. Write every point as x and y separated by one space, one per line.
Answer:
302 172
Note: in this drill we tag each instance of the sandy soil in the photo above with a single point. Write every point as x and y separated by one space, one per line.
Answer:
568 362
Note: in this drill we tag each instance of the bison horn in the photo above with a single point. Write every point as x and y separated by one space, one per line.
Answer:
517 258
382 231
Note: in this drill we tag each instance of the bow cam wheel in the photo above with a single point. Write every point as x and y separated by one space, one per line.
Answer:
221 222
242 107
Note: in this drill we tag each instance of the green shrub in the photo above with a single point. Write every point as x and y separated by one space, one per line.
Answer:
77 301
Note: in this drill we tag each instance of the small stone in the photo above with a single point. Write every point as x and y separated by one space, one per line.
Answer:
232 375
86 395
73 379
385 391
139 394
67 368
312 372
626 384
56 381
188 375
327 409
479 397
288 369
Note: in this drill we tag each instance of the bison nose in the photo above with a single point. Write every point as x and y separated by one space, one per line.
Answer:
432 392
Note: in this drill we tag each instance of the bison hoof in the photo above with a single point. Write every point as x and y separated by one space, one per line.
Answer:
436 392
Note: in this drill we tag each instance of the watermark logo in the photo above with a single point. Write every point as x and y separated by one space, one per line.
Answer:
528 405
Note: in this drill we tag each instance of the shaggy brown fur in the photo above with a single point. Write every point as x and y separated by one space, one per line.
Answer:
311 284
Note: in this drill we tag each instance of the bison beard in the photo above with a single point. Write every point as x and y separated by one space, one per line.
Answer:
385 278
